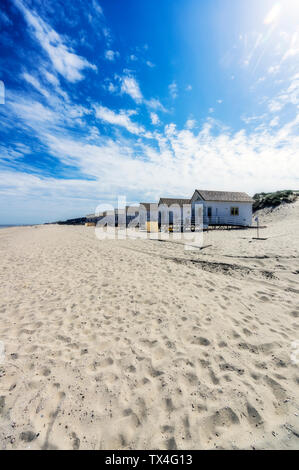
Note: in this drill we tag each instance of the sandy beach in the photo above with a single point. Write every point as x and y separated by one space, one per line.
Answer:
141 344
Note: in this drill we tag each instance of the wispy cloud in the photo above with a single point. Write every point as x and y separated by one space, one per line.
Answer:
35 83
111 55
4 19
274 122
274 69
97 7
130 86
155 118
64 59
119 119
9 153
109 86
155 104
51 77
289 95
150 64
182 162
173 90
293 49
190 124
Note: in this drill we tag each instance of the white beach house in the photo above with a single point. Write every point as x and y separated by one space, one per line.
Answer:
174 211
223 207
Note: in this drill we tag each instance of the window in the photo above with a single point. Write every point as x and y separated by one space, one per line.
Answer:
209 211
234 211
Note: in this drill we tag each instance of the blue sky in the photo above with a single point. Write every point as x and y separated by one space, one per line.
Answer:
143 99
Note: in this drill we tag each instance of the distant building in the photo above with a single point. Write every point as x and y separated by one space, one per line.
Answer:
132 214
217 208
174 211
148 212
93 218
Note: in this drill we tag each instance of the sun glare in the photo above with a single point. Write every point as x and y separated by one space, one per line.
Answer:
285 10
273 14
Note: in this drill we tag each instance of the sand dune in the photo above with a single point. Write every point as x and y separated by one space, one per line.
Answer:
141 344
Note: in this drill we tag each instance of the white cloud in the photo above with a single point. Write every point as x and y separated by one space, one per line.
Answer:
154 118
112 88
97 7
190 124
289 95
4 18
12 153
188 87
274 122
24 111
111 55
155 104
51 78
183 161
64 60
275 106
173 90
253 119
107 35
150 64
119 119
130 86
293 48
35 83
33 112
274 69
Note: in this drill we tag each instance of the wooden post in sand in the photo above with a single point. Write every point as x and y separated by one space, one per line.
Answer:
258 230
257 227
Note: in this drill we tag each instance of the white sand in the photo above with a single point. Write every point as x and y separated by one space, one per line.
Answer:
141 344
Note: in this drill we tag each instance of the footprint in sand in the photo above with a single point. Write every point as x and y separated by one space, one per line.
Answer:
253 416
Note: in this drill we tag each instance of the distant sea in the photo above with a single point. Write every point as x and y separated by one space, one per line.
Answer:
17 225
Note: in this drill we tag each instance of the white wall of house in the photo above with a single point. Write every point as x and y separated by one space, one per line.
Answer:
174 214
221 212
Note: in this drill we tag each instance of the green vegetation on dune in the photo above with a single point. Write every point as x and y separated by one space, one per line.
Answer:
262 200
